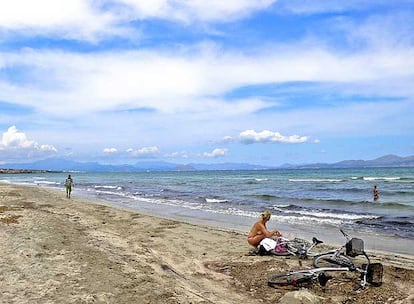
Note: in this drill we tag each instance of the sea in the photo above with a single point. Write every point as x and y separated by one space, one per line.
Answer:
303 202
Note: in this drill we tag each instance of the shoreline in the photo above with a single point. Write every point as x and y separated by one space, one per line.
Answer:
389 244
176 196
56 250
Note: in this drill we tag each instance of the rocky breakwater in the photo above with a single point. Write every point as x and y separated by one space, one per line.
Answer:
21 171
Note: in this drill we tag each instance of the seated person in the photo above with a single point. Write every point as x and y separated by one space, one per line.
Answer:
259 230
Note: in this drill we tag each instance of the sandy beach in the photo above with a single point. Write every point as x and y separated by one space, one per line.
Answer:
56 250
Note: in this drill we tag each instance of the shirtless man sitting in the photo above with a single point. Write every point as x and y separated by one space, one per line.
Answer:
259 230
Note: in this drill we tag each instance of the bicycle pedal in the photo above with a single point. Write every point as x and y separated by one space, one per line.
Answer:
323 278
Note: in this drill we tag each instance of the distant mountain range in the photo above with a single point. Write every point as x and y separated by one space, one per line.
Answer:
383 161
56 164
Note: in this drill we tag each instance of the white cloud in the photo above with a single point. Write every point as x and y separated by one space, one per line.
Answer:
151 151
70 19
181 154
110 150
195 10
186 88
218 152
227 139
265 136
15 145
47 148
323 6
12 138
92 20
179 82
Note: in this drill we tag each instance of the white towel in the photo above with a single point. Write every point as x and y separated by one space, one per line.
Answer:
268 244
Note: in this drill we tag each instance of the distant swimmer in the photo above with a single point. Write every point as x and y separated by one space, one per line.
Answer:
375 192
68 186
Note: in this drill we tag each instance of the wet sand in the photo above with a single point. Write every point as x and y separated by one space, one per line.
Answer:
56 250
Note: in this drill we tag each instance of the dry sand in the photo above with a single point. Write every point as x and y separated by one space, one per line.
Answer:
56 250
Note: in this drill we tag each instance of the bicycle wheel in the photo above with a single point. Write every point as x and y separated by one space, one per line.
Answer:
330 260
300 243
282 252
300 247
296 279
282 249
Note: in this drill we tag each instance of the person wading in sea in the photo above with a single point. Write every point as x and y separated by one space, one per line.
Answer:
375 192
68 186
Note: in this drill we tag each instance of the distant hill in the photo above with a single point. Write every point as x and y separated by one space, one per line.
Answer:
19 171
57 164
383 161
230 166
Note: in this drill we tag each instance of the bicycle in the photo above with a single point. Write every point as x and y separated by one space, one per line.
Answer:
285 247
372 274
369 273
337 258
297 247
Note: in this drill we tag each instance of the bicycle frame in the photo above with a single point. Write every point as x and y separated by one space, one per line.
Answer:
302 251
313 273
357 269
336 252
332 257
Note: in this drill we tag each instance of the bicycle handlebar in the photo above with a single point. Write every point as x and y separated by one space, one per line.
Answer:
345 234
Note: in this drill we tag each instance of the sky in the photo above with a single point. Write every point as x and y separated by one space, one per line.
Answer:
265 82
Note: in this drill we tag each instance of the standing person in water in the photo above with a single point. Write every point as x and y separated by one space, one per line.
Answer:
259 230
375 192
68 185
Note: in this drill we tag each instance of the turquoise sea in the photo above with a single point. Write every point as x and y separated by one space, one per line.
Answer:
303 202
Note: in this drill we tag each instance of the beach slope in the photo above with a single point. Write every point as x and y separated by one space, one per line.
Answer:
56 250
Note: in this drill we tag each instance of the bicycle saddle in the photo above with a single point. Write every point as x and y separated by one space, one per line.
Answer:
316 241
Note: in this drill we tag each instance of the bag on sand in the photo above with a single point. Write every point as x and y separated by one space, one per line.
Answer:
354 247
374 273
281 246
267 246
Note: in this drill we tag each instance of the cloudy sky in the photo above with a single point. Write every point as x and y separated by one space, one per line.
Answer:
259 81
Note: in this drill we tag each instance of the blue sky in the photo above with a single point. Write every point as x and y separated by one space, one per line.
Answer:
259 81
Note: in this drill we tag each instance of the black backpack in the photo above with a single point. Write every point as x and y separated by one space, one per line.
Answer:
354 247
263 251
